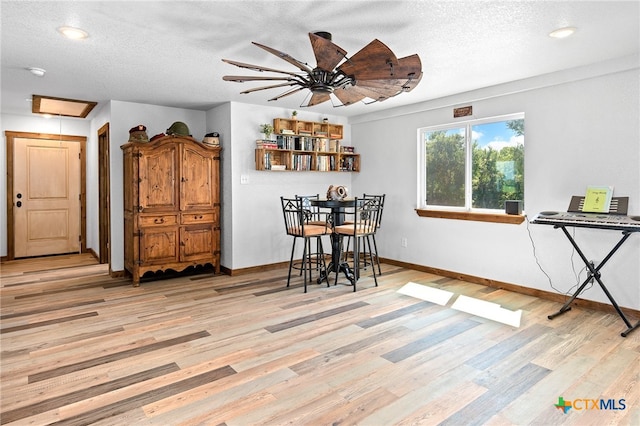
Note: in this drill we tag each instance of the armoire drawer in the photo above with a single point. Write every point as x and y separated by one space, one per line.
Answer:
158 220
194 218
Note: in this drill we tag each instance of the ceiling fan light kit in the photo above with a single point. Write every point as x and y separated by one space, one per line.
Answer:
373 74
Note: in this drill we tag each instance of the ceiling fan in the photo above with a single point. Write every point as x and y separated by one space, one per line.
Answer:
373 74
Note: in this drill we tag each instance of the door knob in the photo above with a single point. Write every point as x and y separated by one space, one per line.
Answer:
19 195
19 204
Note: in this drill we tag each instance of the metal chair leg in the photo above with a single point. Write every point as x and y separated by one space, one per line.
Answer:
293 249
375 246
324 261
304 263
356 261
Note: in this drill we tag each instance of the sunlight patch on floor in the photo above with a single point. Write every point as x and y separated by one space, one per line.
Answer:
430 294
481 308
488 310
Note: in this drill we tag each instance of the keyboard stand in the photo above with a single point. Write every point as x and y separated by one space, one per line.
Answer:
595 274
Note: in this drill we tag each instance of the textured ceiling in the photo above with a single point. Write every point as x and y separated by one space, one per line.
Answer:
169 53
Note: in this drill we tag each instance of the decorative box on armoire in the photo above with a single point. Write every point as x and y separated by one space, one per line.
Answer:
171 205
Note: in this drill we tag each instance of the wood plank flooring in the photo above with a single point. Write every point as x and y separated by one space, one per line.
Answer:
81 348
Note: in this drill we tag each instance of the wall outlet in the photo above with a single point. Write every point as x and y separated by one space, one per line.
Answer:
244 179
403 242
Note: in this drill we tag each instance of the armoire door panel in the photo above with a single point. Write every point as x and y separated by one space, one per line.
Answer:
159 245
197 242
197 188
158 179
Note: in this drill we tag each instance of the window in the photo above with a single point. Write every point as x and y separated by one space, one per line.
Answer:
472 166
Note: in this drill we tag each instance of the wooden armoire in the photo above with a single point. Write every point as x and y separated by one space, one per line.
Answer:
171 205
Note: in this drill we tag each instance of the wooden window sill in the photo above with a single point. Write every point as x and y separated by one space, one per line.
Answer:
479 217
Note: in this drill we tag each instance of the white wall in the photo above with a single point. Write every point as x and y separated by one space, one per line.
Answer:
257 235
578 133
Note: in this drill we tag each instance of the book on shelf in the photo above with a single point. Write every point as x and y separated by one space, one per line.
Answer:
335 135
321 145
272 161
287 132
325 163
301 162
347 149
285 142
266 144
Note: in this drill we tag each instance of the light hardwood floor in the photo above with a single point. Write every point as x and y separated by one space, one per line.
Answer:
79 347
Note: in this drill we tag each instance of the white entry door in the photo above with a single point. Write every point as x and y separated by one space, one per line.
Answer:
46 205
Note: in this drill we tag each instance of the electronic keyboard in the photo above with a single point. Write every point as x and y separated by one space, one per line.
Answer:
589 220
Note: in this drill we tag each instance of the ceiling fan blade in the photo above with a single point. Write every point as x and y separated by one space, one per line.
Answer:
318 98
257 67
348 96
391 88
405 77
408 65
287 93
410 71
243 78
371 93
387 88
266 87
328 54
375 61
301 65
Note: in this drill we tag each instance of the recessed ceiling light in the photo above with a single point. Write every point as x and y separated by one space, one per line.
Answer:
73 33
37 71
562 32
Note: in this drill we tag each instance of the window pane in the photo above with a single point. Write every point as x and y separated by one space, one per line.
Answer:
445 164
498 163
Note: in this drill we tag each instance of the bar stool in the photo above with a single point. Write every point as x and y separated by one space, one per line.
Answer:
295 221
372 251
363 223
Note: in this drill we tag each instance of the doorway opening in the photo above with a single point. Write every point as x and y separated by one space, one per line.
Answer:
104 205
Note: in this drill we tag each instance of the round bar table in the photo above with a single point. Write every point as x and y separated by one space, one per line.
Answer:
337 218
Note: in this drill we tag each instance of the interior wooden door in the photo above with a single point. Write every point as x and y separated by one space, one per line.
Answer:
104 191
46 191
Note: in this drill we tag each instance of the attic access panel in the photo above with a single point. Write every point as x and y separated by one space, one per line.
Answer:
61 106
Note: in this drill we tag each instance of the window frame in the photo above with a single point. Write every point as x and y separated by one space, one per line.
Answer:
466 212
